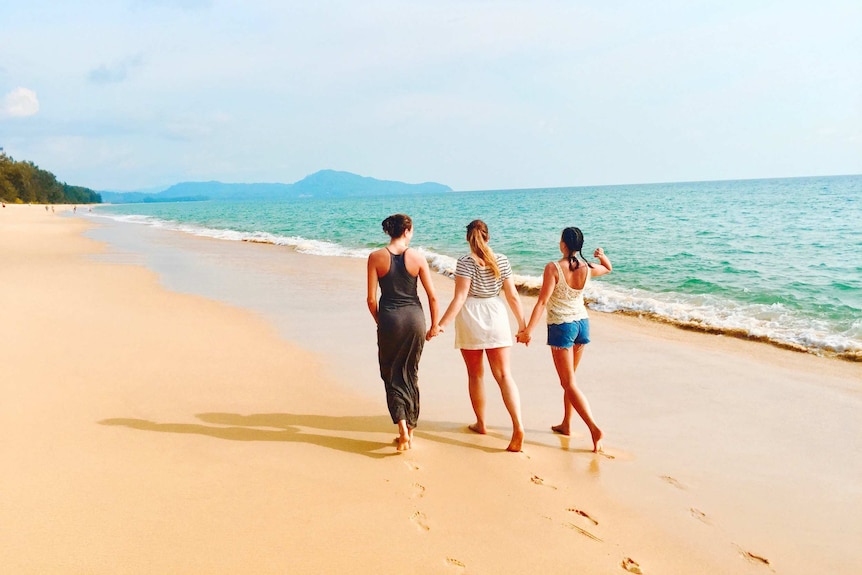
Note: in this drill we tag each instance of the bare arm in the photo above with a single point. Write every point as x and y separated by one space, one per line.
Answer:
462 288
514 300
604 267
373 282
428 284
549 282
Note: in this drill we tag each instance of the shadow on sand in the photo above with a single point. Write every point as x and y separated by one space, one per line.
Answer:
299 428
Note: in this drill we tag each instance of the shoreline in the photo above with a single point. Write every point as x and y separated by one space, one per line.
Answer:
702 431
530 290
697 327
529 286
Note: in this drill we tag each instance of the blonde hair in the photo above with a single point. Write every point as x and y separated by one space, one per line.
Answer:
477 237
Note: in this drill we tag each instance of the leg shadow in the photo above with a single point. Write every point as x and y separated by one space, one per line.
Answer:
282 427
290 427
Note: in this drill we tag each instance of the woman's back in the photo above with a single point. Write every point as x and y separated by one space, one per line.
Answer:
483 282
566 303
398 285
574 278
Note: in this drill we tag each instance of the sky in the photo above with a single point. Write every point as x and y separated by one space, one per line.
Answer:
475 94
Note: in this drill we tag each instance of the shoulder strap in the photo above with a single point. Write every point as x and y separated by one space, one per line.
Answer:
561 277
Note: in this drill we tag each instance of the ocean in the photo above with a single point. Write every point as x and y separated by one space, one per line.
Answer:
776 260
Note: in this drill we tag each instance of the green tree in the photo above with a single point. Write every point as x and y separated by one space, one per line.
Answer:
27 183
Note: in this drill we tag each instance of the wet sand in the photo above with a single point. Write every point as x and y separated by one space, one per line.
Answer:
176 404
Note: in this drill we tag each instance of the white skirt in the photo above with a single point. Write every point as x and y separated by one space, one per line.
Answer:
483 323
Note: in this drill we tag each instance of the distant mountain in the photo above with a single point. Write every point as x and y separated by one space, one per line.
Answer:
322 184
333 183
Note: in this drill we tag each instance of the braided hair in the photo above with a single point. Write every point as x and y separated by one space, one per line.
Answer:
574 240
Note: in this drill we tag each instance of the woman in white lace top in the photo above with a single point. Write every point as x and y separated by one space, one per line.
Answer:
562 294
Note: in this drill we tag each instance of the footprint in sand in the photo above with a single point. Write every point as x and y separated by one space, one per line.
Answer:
756 559
419 519
583 532
539 481
672 481
583 514
418 490
631 566
700 515
411 466
452 562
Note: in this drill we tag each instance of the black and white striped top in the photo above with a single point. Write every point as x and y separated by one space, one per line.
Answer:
482 280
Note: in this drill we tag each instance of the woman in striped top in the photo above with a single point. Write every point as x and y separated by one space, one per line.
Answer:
482 325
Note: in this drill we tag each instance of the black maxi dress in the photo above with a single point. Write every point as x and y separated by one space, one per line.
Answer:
400 339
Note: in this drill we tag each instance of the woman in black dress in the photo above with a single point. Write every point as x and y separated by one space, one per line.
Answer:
400 321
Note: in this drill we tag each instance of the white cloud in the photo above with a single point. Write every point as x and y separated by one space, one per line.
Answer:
476 94
19 103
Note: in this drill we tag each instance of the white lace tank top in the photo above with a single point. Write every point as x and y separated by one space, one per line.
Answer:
566 304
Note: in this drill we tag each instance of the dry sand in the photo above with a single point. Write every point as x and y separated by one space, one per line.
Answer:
150 431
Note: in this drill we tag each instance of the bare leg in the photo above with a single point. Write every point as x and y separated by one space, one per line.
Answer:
498 359
566 361
403 441
475 375
565 427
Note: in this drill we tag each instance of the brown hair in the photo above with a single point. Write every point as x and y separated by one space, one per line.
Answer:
477 237
396 224
574 240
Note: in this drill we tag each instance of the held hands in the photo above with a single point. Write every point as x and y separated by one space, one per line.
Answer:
524 337
433 332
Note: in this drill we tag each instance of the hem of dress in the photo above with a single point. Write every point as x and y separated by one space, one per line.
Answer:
490 345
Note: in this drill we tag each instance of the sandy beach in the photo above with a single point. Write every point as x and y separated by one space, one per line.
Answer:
175 404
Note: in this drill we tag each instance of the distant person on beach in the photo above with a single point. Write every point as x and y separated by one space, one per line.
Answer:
400 321
562 293
482 325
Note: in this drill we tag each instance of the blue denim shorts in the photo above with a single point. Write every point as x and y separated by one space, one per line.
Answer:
565 335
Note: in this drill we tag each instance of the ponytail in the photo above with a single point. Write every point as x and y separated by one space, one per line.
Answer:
477 237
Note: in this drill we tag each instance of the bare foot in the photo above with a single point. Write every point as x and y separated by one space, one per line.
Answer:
478 428
402 443
410 440
597 440
517 441
561 429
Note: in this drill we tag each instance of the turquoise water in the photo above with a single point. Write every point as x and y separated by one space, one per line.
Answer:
778 260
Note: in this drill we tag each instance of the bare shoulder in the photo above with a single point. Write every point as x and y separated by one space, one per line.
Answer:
377 258
416 257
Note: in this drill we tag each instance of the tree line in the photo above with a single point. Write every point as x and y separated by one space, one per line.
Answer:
26 183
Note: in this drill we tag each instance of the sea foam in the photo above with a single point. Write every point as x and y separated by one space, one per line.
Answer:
772 323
